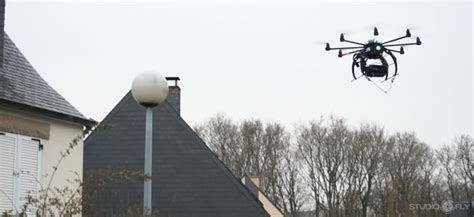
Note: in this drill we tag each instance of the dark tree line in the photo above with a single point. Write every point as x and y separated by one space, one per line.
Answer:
327 168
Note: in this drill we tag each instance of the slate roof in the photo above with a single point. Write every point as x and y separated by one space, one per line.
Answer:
2 25
188 179
22 87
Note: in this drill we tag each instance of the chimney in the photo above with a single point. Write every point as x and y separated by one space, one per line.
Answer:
174 94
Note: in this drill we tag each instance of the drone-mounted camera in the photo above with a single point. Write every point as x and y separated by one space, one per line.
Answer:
371 51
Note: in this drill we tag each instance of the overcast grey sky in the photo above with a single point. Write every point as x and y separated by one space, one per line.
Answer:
261 60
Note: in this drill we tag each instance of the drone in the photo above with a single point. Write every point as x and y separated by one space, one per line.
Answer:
371 59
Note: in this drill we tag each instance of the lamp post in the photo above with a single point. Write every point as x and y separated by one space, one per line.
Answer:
149 89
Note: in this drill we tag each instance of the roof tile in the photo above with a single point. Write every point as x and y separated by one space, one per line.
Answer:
20 83
188 179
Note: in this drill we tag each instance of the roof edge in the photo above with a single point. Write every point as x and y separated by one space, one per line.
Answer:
259 191
52 114
233 178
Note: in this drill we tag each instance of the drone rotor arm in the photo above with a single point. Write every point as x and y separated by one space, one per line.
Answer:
396 39
354 51
407 35
343 48
353 42
405 44
418 42
396 51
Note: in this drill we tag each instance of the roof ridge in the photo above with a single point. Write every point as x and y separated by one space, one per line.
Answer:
107 117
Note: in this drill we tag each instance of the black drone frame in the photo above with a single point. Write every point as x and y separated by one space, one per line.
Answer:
374 50
361 46
376 33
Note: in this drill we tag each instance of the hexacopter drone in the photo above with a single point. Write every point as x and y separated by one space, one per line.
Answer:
370 57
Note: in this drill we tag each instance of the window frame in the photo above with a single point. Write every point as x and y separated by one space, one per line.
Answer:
17 164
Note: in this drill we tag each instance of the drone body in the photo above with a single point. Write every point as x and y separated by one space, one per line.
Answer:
370 57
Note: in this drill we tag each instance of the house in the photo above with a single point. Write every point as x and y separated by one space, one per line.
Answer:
253 184
188 178
36 124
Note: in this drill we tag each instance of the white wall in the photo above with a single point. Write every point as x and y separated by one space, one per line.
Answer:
61 134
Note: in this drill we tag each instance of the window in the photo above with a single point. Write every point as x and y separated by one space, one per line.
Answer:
19 171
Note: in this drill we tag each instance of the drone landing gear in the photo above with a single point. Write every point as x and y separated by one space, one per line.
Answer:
385 90
380 70
381 88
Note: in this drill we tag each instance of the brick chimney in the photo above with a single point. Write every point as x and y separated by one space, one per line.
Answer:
174 94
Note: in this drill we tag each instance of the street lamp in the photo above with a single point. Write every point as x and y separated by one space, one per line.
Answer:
149 89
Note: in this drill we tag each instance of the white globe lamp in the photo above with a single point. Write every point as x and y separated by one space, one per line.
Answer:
149 89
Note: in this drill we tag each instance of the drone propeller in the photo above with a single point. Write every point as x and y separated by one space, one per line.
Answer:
401 51
325 43
402 48
343 39
349 33
418 42
376 34
369 27
408 33
340 54
376 31
413 27
328 47
321 42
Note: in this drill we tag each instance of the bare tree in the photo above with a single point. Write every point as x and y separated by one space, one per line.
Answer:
290 188
307 138
370 145
323 149
456 164
276 141
447 159
223 137
428 180
345 171
465 163
382 199
250 147
404 164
